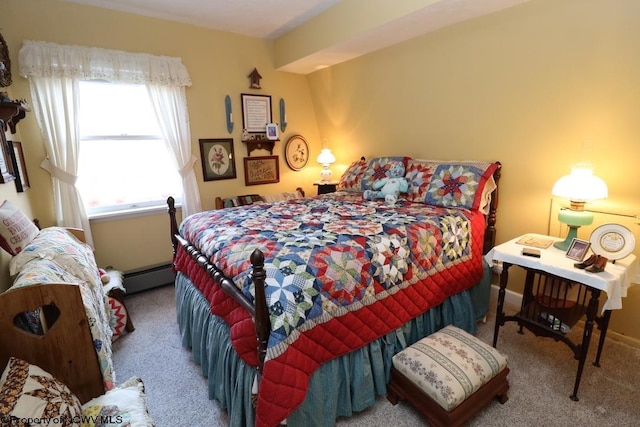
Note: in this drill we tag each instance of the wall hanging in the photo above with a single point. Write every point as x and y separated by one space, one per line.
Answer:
296 152
283 115
261 170
254 79
218 159
228 113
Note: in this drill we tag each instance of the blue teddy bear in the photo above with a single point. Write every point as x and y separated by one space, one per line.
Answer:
390 187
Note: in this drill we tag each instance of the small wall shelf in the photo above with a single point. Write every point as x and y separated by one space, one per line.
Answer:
11 113
260 144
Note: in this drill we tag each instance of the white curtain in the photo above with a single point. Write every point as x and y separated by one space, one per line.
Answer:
54 71
170 105
55 103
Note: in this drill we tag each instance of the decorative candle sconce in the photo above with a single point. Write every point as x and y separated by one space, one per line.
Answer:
283 115
228 113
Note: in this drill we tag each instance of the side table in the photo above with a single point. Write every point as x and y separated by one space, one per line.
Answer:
326 187
557 295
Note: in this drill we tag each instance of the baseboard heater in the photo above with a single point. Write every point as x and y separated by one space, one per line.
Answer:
148 278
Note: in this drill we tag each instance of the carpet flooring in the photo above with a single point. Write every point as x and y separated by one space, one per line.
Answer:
541 378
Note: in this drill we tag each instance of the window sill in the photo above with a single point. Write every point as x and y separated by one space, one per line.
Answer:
129 213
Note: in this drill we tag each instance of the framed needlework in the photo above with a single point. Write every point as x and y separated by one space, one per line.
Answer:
256 112
218 159
261 170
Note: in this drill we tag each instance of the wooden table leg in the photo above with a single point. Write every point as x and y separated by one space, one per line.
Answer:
504 278
586 338
603 325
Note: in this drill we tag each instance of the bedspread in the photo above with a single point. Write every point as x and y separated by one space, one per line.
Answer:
341 272
56 256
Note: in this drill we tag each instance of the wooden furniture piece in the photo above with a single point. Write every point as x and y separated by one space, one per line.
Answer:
11 113
65 350
557 295
186 254
472 372
326 187
249 199
260 144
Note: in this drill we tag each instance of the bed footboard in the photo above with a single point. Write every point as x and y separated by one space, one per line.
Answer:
65 350
259 312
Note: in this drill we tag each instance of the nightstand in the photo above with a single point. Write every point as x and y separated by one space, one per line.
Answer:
557 295
326 187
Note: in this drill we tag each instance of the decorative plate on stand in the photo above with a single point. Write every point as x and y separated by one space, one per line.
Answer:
613 241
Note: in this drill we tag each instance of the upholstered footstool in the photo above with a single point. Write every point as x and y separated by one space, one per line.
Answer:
448 376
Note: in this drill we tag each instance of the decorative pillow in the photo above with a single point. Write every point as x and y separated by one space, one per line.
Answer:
28 394
117 318
16 229
352 177
379 168
450 184
125 405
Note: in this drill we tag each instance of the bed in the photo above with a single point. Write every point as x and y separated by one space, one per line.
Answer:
296 307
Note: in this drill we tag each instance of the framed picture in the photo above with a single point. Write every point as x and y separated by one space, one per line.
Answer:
256 112
578 249
272 131
19 166
6 167
218 159
296 152
261 170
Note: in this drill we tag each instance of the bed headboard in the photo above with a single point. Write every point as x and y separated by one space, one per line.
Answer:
490 230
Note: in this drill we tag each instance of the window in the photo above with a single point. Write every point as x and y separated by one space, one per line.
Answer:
124 164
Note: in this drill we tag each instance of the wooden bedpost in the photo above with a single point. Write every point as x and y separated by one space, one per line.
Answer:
263 325
171 203
490 230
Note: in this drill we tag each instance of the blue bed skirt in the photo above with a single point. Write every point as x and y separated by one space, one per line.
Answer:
338 388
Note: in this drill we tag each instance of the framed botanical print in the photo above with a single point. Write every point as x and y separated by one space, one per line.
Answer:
261 170
218 159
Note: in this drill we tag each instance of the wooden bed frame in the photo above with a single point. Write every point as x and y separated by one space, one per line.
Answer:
65 350
260 311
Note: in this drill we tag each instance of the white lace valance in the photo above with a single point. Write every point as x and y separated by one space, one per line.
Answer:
44 59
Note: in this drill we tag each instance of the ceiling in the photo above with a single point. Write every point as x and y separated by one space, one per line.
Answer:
271 19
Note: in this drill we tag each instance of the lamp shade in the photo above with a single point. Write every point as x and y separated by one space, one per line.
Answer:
326 157
580 186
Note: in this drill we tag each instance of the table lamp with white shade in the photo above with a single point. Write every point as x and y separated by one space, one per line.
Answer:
579 187
326 158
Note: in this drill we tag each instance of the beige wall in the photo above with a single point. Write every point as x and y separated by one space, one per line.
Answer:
527 86
218 63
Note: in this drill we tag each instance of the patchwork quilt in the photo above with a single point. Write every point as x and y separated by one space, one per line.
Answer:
341 271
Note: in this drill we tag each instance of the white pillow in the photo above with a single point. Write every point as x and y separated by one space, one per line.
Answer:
125 405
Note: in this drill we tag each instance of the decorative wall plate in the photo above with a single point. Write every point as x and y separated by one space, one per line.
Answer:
296 152
613 241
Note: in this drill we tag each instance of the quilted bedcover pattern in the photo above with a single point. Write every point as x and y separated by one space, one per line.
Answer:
341 272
